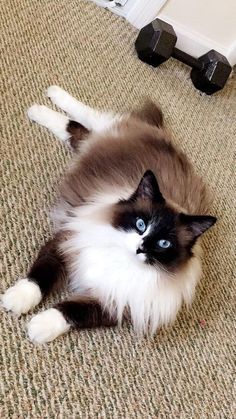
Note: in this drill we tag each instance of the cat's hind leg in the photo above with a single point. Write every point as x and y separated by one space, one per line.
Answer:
56 122
90 118
60 125
81 312
48 268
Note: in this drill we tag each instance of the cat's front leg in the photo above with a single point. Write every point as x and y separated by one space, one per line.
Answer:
81 312
90 118
45 272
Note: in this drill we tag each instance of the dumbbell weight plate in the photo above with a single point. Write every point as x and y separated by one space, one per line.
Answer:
155 42
213 73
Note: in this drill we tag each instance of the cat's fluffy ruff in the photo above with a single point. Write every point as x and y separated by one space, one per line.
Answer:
104 264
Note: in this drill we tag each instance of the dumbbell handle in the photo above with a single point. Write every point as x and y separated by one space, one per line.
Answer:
186 59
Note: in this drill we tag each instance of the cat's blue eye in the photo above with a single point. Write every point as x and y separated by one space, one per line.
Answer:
164 244
140 225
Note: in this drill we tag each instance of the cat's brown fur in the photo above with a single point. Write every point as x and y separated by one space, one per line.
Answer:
133 146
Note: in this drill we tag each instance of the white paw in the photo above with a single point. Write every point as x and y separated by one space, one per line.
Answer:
56 93
21 297
54 121
47 326
38 113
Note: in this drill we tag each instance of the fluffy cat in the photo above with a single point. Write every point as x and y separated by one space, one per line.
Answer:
128 220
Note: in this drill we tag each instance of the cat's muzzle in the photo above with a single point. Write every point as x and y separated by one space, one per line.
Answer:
140 250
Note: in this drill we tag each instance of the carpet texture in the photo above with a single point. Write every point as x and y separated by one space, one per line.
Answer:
186 371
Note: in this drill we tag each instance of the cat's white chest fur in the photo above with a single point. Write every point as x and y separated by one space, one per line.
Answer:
106 266
119 279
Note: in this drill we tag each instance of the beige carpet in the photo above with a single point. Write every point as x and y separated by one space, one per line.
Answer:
188 370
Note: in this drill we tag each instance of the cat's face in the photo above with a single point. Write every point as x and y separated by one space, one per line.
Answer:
158 234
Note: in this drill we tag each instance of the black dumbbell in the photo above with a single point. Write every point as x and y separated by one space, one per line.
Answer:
156 43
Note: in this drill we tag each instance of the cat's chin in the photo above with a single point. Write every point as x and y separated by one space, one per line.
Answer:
142 257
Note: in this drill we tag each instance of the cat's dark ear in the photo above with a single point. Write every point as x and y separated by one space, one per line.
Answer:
197 224
148 188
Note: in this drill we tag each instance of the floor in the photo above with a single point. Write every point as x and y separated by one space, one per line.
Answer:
187 370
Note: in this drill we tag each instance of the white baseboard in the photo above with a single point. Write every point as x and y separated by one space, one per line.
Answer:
138 12
144 11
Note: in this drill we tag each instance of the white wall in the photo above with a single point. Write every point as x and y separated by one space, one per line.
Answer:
203 24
